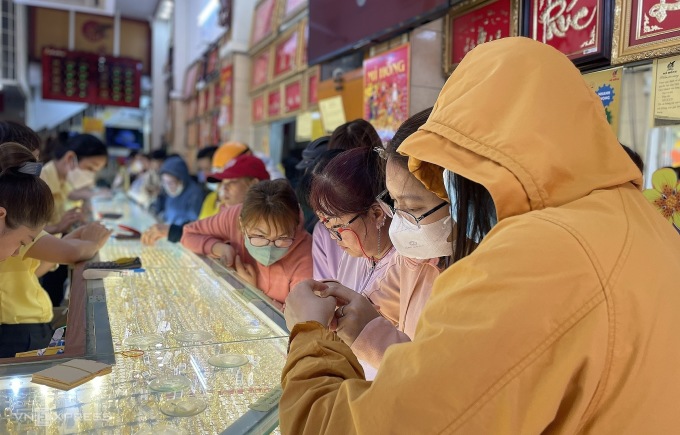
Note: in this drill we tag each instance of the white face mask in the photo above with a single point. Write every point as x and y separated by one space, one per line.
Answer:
79 178
178 191
213 186
428 241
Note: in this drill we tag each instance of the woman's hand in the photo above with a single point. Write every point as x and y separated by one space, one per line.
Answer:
154 233
354 312
93 232
225 252
245 271
303 304
70 218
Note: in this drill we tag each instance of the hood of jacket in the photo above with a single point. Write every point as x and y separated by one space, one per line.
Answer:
517 117
176 167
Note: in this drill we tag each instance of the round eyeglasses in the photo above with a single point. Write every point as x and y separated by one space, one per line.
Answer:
338 229
390 210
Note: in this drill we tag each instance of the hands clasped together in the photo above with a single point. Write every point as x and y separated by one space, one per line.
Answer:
335 306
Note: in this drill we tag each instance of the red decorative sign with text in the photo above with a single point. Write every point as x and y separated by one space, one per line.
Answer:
263 21
571 26
292 94
488 23
386 90
654 20
258 108
226 118
274 103
312 88
285 55
260 70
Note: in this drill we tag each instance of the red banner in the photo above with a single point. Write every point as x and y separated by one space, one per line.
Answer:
260 70
292 94
258 108
653 20
312 86
478 26
571 26
263 20
285 55
226 118
274 103
386 90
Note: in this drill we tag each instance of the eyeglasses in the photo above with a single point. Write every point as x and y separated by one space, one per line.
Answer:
391 210
259 242
335 231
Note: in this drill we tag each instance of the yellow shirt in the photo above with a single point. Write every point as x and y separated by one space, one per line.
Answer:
22 298
60 191
210 206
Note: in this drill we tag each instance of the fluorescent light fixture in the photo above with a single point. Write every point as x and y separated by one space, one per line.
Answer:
165 10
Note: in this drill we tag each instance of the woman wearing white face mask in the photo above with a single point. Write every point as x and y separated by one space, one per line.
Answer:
421 231
71 176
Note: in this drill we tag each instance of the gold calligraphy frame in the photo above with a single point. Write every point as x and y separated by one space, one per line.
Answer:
275 88
298 78
464 8
623 52
312 71
297 57
294 14
257 45
265 109
269 52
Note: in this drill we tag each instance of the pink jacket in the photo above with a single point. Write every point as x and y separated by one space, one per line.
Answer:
412 279
275 280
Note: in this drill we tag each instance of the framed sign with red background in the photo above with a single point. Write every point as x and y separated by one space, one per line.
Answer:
474 22
265 22
274 102
258 109
286 54
645 29
311 87
290 8
292 96
581 29
261 66
226 118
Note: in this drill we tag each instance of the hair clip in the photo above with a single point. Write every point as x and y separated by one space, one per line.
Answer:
31 168
381 152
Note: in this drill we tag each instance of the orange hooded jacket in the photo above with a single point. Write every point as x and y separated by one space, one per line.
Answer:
565 319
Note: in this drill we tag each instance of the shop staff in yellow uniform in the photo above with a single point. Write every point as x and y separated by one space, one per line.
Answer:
563 320
25 206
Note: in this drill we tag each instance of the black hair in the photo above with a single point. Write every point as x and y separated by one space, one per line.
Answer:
11 131
406 129
160 154
318 165
26 198
206 153
83 145
635 157
354 134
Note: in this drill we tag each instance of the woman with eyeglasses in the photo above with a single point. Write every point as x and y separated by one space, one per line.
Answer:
263 238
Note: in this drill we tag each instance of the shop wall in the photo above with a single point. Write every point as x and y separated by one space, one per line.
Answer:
240 131
635 108
160 36
426 65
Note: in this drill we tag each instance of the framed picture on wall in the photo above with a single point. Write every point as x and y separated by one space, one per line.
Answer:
645 29
474 22
286 54
259 104
291 8
311 86
292 95
580 29
265 22
261 69
274 102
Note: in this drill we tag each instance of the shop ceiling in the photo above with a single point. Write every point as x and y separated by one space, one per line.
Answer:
138 9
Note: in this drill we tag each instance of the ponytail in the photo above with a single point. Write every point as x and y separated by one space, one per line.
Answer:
26 198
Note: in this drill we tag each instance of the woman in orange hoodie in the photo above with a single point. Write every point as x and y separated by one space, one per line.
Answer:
263 239
563 319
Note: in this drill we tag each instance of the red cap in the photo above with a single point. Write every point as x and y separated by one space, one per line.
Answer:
246 165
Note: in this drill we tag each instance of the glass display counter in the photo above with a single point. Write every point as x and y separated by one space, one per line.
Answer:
194 350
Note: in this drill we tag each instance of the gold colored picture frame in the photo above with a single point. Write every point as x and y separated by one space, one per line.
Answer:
623 51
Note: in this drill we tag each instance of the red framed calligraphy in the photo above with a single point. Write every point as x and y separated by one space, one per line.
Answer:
645 29
274 102
292 96
311 87
258 109
475 22
226 116
580 29
264 23
260 73
286 54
